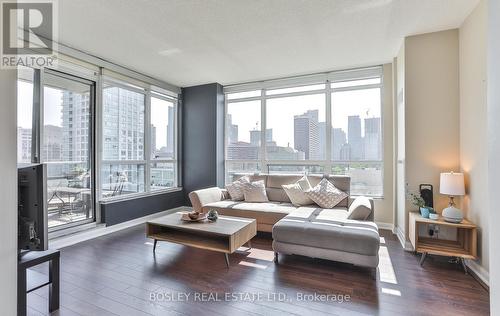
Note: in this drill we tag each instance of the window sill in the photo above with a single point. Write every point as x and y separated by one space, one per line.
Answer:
133 196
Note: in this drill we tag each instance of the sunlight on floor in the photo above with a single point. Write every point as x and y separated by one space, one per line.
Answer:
253 265
386 270
391 291
259 254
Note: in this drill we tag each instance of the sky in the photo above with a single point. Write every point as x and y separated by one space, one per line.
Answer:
159 118
52 102
281 111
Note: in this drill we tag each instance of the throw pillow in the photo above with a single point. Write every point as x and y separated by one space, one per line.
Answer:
255 191
304 184
360 209
326 195
296 193
235 189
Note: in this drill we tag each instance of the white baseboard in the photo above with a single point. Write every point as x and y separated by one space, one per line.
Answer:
386 226
102 230
479 271
402 239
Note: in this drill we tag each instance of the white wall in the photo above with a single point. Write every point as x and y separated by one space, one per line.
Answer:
431 109
493 66
8 193
473 128
384 208
401 217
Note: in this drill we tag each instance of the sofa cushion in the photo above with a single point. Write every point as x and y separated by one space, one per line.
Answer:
267 213
255 191
328 229
277 195
296 194
326 195
277 180
360 209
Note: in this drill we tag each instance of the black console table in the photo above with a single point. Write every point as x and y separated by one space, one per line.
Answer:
31 259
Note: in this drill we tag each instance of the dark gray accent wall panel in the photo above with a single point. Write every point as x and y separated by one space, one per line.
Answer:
203 137
122 211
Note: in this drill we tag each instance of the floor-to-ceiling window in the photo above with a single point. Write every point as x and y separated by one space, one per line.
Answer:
67 147
102 138
325 123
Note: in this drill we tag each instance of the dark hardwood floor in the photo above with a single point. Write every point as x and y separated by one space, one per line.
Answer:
117 274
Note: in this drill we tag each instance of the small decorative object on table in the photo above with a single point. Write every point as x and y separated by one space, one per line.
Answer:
433 216
418 201
193 216
212 215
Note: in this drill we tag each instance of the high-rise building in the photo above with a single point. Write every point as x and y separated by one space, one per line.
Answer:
170 131
75 130
53 148
232 130
322 139
243 151
123 129
338 141
372 139
354 137
306 134
255 136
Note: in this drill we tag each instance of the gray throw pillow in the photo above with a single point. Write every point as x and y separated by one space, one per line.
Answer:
326 195
255 191
360 209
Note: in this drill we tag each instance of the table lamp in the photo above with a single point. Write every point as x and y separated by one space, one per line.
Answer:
452 184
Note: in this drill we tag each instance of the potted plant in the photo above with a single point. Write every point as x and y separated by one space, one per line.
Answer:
419 202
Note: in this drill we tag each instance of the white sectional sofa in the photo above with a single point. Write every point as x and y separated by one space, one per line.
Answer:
306 230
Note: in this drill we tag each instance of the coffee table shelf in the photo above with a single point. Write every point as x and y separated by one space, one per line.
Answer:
225 235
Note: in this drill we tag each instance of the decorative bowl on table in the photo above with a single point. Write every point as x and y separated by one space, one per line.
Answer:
434 216
193 216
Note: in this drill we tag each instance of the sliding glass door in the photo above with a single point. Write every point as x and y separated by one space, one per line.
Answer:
67 148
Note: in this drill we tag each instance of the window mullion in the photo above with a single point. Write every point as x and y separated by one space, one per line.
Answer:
329 140
263 126
147 141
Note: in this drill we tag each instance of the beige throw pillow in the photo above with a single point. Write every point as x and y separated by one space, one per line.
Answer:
296 192
360 209
326 195
304 184
235 189
255 191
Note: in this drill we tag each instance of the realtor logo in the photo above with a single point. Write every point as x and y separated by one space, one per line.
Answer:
28 34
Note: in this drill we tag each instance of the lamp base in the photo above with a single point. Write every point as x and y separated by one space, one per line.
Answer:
452 214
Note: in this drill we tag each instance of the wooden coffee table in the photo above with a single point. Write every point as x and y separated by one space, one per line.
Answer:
225 235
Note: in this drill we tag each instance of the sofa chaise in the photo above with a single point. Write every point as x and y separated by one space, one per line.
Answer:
306 230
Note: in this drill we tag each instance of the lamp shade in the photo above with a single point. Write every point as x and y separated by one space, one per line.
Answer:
451 183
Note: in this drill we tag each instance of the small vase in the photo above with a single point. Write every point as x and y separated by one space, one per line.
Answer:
424 211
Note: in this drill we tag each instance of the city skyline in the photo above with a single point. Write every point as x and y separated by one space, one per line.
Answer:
310 140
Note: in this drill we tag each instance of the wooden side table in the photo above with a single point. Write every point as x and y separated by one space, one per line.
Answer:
463 247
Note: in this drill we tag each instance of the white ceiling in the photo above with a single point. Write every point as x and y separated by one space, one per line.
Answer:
190 42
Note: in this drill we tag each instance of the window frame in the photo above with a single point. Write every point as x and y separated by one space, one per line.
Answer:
324 78
148 92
